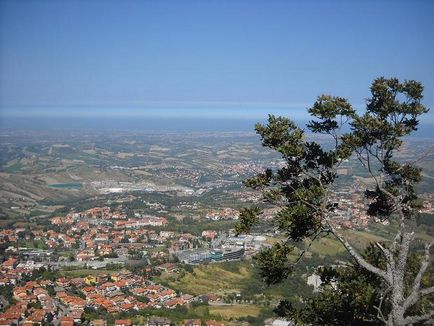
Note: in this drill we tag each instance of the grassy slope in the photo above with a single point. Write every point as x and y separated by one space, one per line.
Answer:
232 277
235 311
326 247
213 278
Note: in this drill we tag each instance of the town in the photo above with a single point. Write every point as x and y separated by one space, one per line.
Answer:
135 247
100 238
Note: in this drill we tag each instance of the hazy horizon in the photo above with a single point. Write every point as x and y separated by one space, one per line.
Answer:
146 124
206 60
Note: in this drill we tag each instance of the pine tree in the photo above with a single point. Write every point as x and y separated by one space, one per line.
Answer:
302 189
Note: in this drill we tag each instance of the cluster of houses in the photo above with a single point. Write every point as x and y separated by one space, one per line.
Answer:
351 209
33 306
106 213
92 236
352 206
134 223
103 234
63 301
45 301
427 207
241 169
12 270
223 214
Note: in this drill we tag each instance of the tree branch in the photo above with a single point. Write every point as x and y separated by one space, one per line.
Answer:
380 314
390 261
416 292
307 248
403 251
427 291
396 239
359 259
415 319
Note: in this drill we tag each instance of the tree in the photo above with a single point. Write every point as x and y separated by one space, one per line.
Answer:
349 295
303 188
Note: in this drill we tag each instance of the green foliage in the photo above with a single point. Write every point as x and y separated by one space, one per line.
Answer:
34 305
248 218
273 263
114 266
7 292
177 314
392 112
75 291
426 219
99 313
50 290
300 188
331 111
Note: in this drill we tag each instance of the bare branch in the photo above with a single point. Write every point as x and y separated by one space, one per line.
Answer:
396 239
415 319
380 314
359 259
403 251
416 292
390 261
427 291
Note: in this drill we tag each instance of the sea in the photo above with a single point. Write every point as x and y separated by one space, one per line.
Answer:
149 124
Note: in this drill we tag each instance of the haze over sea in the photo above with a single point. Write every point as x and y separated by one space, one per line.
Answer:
149 120
142 119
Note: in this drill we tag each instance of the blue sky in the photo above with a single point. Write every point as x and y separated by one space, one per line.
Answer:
205 58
